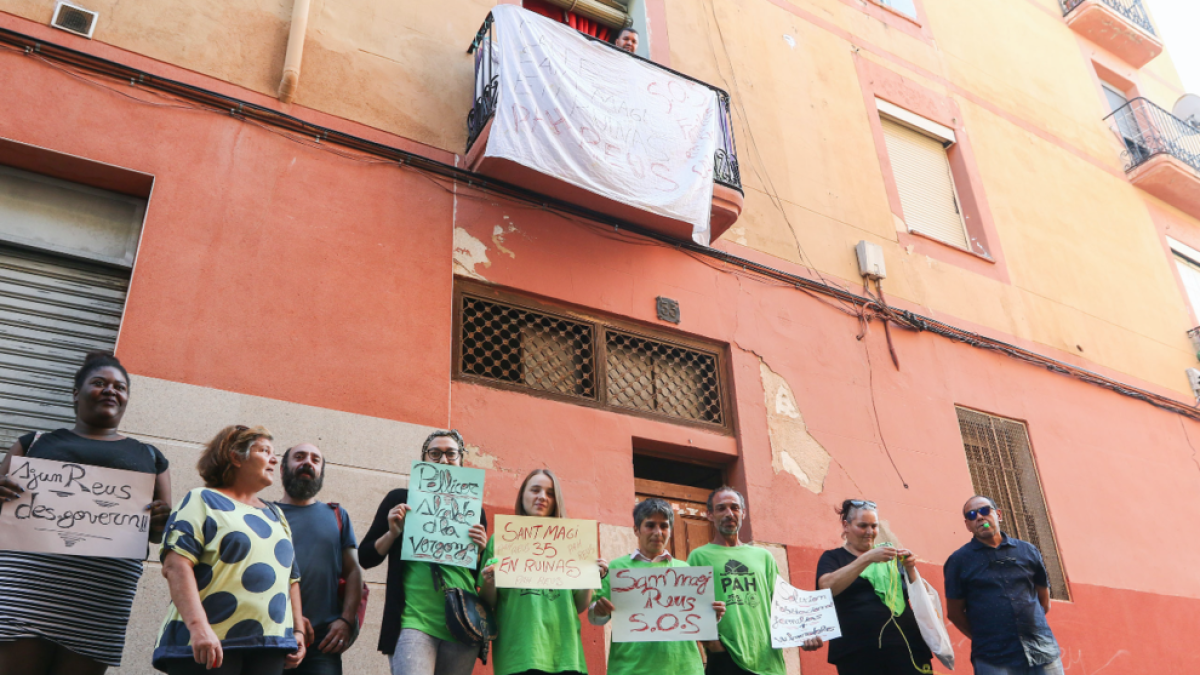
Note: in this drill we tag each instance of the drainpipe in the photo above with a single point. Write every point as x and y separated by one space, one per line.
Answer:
295 51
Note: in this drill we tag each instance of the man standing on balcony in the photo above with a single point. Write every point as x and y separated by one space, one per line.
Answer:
745 579
627 40
997 594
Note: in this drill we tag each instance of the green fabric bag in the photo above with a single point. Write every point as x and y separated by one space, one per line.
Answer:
884 577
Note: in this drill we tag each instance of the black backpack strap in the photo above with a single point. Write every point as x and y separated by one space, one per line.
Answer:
438 584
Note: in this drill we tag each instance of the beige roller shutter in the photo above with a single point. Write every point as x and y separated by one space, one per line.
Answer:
52 311
923 180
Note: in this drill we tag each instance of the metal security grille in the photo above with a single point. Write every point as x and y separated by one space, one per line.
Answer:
513 345
663 378
52 312
539 351
1002 468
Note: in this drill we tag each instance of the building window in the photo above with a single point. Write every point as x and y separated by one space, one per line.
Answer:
1002 468
906 7
1187 261
516 343
917 151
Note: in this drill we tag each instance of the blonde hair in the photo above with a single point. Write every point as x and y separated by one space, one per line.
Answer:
216 462
560 508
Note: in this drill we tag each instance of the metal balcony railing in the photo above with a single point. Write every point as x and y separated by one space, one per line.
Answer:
725 161
1147 131
1133 10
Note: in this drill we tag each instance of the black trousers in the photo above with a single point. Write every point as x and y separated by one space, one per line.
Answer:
886 661
236 662
721 663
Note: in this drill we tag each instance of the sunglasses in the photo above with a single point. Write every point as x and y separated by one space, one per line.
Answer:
984 511
861 503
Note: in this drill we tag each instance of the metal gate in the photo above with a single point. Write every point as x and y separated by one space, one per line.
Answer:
53 310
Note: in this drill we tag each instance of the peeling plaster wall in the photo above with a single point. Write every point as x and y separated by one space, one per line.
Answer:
793 448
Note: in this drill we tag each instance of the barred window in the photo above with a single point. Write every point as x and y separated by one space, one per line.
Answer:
514 345
1002 468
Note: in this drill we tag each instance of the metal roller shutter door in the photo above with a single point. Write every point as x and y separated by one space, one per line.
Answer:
923 180
52 311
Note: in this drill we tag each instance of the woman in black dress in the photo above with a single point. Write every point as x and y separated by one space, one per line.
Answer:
876 639
66 614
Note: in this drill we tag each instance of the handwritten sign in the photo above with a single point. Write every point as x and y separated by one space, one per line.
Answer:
662 604
446 501
602 120
798 615
547 553
77 509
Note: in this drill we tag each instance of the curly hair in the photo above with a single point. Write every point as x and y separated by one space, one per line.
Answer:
216 462
94 361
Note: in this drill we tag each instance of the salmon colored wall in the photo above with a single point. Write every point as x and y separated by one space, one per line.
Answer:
265 267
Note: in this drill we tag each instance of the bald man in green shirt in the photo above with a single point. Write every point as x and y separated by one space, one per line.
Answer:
652 523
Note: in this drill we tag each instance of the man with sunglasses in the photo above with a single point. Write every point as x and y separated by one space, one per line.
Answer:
998 595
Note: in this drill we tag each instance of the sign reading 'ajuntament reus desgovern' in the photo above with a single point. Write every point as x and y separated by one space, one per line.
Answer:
546 553
77 509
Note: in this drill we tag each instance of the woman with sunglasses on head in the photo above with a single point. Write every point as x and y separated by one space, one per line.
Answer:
880 635
66 614
538 628
414 635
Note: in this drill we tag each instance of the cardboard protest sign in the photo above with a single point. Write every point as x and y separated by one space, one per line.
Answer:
798 615
662 604
446 501
546 553
77 509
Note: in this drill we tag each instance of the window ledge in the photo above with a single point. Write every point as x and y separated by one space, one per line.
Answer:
896 12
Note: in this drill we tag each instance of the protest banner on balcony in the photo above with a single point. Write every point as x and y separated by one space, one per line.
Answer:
446 501
602 120
77 509
662 604
546 553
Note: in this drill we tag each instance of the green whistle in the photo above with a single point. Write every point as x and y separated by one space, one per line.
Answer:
987 526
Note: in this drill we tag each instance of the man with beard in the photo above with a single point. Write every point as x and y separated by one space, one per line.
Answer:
652 523
325 552
745 579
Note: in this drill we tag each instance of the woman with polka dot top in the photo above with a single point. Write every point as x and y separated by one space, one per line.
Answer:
228 559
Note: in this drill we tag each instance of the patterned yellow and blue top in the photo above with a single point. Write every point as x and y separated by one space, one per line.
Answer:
244 563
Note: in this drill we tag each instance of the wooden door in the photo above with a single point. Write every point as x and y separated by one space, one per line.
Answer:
692 530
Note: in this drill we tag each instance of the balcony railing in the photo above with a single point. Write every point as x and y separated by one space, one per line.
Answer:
1132 10
1148 131
725 161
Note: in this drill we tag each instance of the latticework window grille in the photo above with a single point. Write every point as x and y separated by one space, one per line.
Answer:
539 351
1002 468
663 378
544 352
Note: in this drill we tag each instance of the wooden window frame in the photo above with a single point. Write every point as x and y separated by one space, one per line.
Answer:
600 324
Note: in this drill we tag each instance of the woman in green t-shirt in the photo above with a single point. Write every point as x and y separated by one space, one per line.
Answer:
539 628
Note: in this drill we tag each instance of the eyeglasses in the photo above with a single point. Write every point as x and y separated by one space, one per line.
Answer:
861 503
438 454
984 511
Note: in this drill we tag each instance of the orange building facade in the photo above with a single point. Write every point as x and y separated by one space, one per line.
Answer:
341 269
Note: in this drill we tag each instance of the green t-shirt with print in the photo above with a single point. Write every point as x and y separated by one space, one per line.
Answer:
745 578
539 629
424 605
644 658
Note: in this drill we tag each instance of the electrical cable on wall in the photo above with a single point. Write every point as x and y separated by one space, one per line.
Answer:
323 138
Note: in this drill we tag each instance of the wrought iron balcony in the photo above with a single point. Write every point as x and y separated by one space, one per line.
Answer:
1122 27
1162 153
1133 10
725 163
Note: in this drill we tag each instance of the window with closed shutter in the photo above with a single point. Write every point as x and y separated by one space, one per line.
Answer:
922 174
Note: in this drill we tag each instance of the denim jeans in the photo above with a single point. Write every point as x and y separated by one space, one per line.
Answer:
420 654
1055 667
317 662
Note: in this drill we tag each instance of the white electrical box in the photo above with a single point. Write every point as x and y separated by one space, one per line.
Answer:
870 260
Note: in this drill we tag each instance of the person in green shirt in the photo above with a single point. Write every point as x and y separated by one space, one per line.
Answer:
652 523
538 628
413 633
745 579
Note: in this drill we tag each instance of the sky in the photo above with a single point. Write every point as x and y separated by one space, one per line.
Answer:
1179 23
